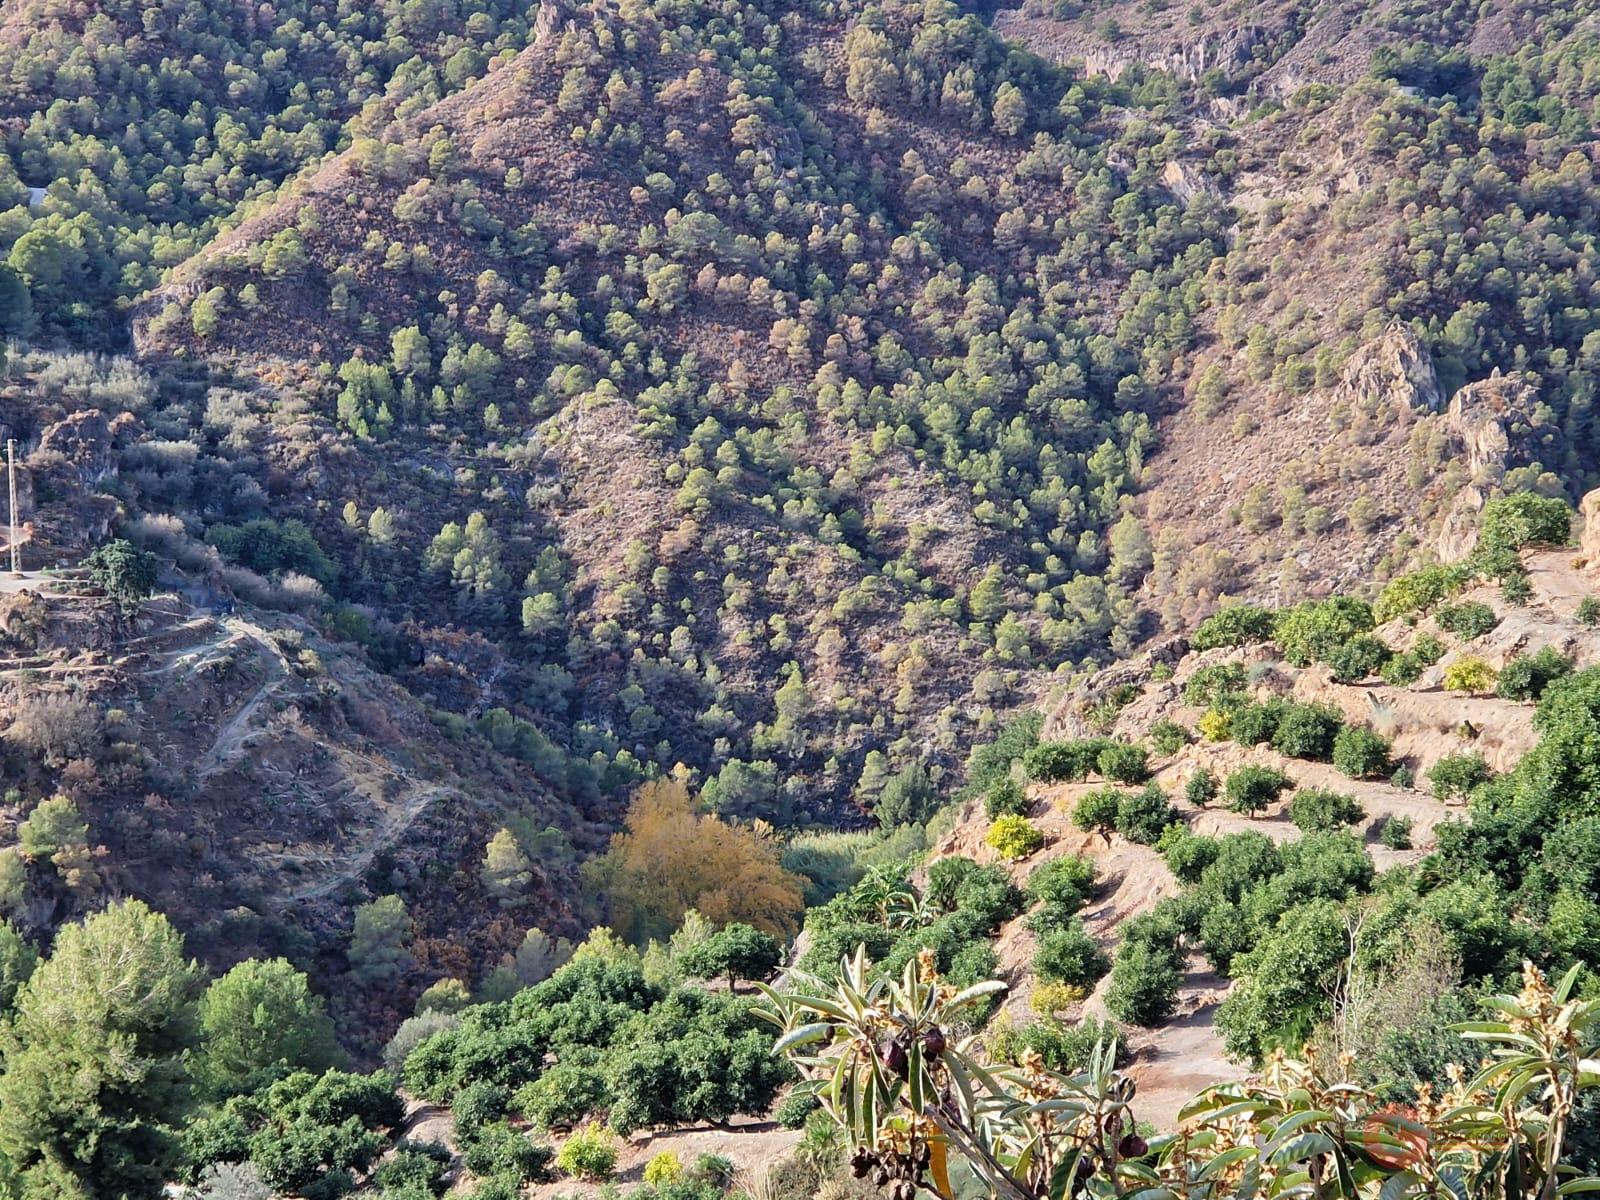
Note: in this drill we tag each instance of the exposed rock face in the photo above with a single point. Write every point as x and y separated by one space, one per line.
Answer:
1492 419
87 441
1184 182
1458 536
1185 59
553 14
1069 718
1589 540
1394 371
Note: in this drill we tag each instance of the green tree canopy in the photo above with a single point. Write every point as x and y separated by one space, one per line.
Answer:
258 1023
96 1077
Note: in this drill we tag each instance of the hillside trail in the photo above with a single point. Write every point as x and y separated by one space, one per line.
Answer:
232 738
396 822
1558 581
1173 1062
393 792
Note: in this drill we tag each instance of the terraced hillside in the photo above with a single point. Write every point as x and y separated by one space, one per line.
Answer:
258 782
1422 722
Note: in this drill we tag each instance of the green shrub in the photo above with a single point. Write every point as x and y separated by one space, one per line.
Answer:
1253 724
1316 810
1455 776
990 761
1469 619
1186 855
590 1153
1233 625
1526 676
1216 724
1524 519
1419 591
1516 589
1067 882
1214 683
1097 810
946 878
1200 789
499 1151
1360 753
1070 955
1168 737
666 1168
124 572
495 1189
476 1105
1396 833
1061 1046
1056 762
1124 763
1013 837
565 1092
1314 630
414 1169
1428 649
1144 984
1589 611
1470 676
1047 999
1142 815
795 1108
1402 670
1251 788
1307 731
736 951
1005 798
1359 658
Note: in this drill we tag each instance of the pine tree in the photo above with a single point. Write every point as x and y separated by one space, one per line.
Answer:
96 1077
506 870
377 943
259 1023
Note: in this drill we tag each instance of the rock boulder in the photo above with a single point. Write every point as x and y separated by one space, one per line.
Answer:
1396 372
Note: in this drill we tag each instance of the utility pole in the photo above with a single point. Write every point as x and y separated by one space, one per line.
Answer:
11 478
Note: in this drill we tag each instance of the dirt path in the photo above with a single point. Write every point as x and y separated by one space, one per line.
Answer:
232 738
1184 1055
1174 1064
1556 582
397 820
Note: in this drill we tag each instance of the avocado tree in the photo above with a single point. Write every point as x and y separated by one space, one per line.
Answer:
736 951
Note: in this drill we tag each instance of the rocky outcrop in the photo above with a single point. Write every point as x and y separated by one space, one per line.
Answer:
87 442
1070 718
552 15
1493 421
1589 539
1186 182
1226 52
1458 535
1396 372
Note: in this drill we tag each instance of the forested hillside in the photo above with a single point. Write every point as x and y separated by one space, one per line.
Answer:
759 394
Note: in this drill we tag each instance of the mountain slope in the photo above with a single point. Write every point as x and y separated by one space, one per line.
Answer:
838 388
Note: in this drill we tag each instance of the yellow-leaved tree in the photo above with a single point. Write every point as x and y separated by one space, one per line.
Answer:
670 858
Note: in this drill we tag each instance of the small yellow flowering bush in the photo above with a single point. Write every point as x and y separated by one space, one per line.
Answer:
1013 837
1469 676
